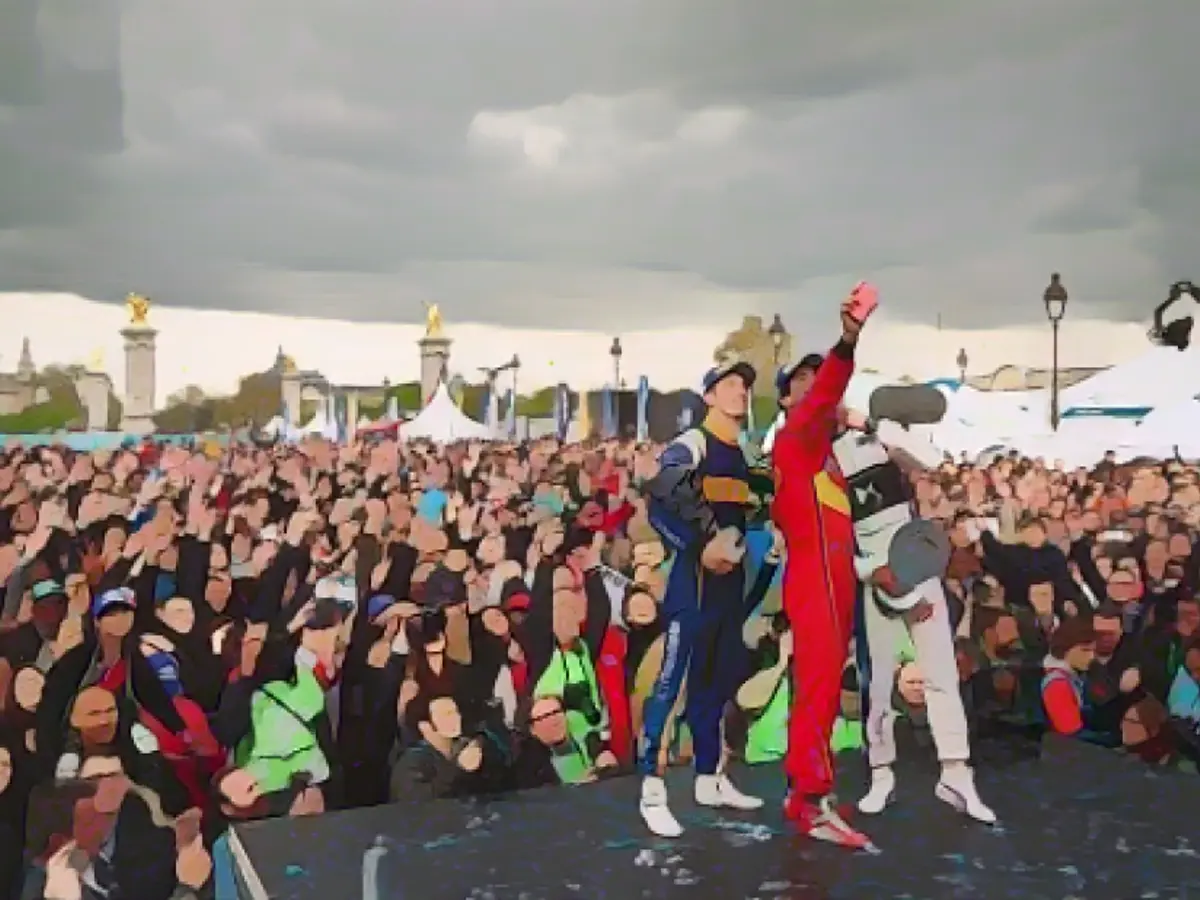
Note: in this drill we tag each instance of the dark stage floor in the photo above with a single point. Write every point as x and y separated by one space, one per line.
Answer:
1078 822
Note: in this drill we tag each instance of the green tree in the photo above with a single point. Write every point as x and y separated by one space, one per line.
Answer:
473 396
116 412
372 409
257 400
765 409
538 405
60 409
186 418
408 396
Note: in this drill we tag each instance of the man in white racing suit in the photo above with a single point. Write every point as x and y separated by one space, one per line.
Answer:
875 457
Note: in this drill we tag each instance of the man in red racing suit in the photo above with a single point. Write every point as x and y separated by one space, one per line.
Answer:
812 511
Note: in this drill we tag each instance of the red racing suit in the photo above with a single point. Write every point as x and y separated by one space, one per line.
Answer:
812 510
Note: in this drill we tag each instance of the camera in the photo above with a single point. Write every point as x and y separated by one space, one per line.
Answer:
1178 332
577 698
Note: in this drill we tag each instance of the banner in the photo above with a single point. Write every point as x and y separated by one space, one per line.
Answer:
585 418
489 405
562 410
643 408
329 430
458 390
609 413
393 409
510 415
341 407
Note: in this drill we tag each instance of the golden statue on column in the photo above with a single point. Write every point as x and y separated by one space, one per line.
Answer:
433 321
139 309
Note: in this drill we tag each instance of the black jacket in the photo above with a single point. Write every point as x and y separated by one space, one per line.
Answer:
1018 567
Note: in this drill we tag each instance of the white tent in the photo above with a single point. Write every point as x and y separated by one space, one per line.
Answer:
1162 376
976 419
322 424
443 422
1171 427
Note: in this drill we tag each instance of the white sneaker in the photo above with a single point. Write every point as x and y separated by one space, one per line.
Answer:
957 787
718 791
655 812
881 793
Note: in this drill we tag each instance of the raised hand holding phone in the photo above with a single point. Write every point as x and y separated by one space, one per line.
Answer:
857 308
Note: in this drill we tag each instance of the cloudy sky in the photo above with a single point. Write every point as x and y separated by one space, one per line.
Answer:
658 167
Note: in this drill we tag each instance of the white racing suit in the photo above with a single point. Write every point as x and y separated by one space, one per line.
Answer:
880 502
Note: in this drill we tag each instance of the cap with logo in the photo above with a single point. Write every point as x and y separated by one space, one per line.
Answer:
723 370
115 600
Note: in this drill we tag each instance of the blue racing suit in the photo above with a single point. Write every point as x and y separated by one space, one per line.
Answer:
702 487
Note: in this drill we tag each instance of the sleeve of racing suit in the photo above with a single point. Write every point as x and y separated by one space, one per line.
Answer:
827 389
676 465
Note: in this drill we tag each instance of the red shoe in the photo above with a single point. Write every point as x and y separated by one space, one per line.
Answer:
821 821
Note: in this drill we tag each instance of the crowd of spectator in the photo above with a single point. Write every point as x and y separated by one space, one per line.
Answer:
191 638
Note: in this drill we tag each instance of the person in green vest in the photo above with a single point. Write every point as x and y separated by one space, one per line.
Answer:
282 743
570 676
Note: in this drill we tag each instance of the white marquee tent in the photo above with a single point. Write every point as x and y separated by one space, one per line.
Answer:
1160 377
1172 427
443 422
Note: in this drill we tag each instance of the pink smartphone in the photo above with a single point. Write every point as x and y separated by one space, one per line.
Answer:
864 299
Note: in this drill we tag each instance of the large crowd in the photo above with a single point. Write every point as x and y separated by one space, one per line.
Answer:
193 637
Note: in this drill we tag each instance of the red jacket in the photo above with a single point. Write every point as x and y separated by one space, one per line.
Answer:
811 505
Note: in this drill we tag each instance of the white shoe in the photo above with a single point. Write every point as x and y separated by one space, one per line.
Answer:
881 793
957 787
655 812
717 791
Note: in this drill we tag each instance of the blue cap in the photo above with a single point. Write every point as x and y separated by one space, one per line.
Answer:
783 377
379 604
733 367
113 601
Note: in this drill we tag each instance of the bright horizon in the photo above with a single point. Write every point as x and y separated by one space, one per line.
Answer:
212 349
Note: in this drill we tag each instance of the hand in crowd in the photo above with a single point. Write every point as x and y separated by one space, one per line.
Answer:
387 575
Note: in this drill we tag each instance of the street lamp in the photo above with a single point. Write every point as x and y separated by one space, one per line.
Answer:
962 365
1055 298
777 332
615 352
514 364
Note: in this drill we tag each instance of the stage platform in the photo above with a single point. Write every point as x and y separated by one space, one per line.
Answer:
1076 822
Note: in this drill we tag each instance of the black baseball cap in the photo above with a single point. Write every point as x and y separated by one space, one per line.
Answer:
783 378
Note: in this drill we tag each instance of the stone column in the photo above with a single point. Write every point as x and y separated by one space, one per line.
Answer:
435 363
139 379
92 389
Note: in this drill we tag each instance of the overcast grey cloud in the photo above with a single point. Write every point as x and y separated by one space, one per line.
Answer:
534 162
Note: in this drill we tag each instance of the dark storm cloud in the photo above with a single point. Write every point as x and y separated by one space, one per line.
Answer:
532 162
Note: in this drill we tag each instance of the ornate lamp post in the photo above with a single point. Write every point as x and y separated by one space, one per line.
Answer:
616 352
962 365
515 365
1055 299
778 332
